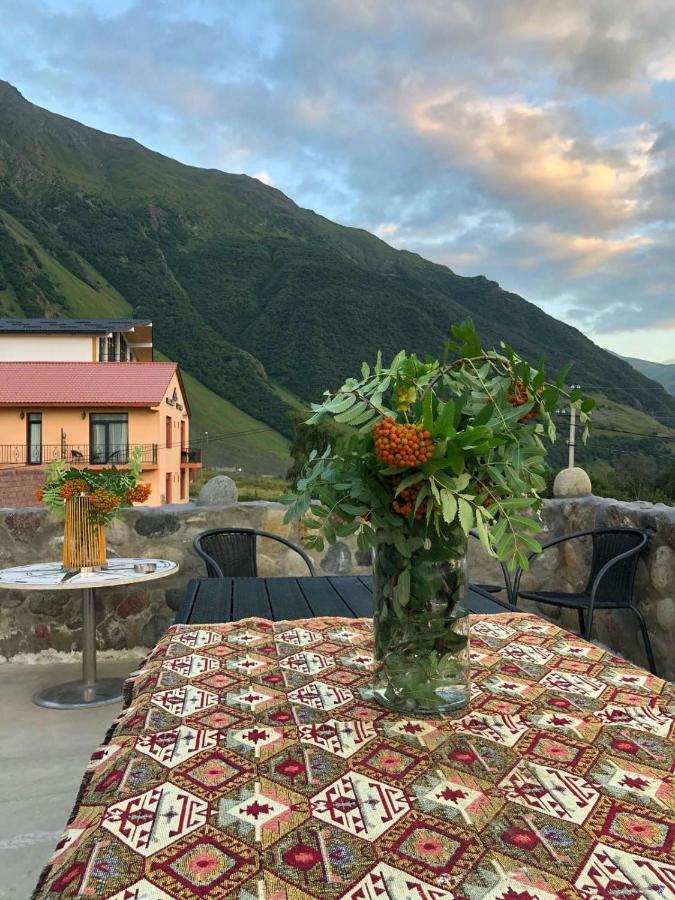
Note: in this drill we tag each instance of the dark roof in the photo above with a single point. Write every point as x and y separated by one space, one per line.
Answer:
69 326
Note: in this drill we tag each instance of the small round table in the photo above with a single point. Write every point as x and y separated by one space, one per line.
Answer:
51 576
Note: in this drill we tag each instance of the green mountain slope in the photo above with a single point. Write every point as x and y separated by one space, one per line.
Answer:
664 373
37 282
250 293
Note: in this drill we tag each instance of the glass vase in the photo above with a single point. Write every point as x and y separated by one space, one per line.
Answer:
421 626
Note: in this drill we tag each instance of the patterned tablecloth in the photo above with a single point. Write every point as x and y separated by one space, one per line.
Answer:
250 763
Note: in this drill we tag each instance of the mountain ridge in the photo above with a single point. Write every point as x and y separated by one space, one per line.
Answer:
247 289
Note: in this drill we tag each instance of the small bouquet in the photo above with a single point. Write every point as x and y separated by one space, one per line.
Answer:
108 489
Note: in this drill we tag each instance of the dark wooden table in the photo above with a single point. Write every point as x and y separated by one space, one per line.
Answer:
209 600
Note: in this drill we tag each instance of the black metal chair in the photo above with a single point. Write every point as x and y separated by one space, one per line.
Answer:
616 552
232 552
497 588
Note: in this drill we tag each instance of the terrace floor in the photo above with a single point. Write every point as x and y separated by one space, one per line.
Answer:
43 754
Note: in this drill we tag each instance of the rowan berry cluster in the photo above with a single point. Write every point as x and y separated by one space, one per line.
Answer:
104 501
73 487
404 504
402 445
518 396
139 494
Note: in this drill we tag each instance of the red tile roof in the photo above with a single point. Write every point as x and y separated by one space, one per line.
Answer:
84 383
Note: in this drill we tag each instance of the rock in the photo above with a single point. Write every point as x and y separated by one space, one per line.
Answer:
132 604
24 526
665 613
11 599
273 520
115 637
117 532
663 568
218 491
572 482
47 603
153 524
173 597
338 559
364 558
155 628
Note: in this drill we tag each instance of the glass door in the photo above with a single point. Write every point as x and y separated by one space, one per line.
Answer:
109 438
34 439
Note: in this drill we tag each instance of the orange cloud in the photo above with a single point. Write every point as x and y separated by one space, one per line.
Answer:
523 153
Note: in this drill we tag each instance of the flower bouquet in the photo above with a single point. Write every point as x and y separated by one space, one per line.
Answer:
89 499
431 451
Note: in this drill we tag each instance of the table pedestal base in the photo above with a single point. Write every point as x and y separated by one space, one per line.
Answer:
75 694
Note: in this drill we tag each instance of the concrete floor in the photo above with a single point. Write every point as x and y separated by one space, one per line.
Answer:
43 754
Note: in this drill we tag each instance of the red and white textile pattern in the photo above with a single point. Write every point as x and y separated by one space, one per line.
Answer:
251 762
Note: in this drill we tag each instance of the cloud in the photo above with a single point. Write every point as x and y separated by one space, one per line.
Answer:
532 143
532 158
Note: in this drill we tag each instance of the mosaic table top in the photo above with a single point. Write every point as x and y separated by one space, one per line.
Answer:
52 576
251 763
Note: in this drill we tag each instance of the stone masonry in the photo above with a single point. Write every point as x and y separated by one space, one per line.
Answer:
137 615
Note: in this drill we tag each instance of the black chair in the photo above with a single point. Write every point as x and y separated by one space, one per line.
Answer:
497 588
232 552
616 552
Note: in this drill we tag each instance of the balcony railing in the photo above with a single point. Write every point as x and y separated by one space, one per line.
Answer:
191 456
75 454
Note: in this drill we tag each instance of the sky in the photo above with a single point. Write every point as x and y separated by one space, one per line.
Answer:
533 143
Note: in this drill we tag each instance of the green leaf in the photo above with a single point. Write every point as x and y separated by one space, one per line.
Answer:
455 458
402 587
444 423
530 542
353 510
411 479
448 506
466 515
427 411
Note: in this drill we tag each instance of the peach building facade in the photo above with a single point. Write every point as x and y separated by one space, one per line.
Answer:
94 413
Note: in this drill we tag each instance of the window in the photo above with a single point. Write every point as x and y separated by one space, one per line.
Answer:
169 432
34 438
108 438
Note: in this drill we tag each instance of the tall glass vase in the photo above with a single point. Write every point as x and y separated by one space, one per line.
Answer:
421 626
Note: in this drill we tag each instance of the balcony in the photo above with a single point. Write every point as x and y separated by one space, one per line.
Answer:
75 454
191 457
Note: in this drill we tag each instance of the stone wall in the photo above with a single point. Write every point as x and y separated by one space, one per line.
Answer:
137 615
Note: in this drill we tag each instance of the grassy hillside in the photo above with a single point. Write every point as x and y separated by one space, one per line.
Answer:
664 373
235 438
253 295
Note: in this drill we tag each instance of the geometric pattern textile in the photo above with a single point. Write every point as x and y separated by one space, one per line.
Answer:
251 762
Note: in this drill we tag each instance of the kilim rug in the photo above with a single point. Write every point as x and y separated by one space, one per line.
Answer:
251 763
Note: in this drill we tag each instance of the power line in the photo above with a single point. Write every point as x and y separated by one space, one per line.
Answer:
644 434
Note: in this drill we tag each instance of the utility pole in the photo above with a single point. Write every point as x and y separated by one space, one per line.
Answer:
571 443
206 447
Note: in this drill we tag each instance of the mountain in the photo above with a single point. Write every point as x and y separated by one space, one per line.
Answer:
664 373
260 300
